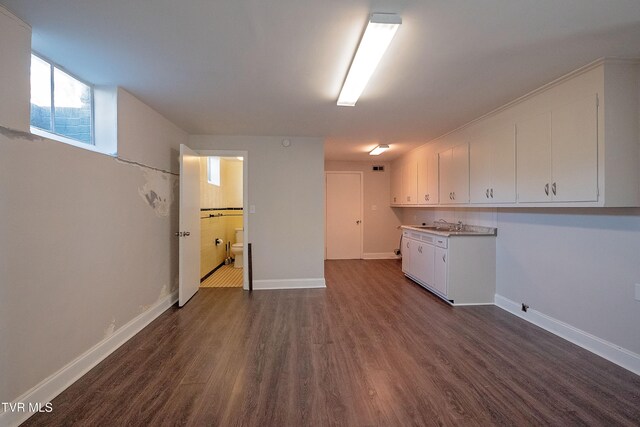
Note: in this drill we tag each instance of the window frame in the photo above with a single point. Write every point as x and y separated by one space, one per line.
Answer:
209 170
51 133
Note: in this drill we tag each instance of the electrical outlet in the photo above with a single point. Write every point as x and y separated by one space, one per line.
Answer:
525 307
637 291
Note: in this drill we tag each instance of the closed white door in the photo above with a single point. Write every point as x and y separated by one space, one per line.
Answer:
440 271
343 215
189 232
424 265
574 137
533 142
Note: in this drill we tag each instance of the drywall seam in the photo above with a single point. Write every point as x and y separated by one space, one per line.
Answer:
59 381
132 162
605 349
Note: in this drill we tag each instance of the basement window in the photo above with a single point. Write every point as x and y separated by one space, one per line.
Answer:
213 170
61 104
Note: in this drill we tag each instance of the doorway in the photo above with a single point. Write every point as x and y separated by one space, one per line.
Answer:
343 217
212 219
221 222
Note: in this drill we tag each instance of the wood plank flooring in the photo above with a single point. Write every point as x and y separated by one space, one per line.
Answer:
371 349
225 277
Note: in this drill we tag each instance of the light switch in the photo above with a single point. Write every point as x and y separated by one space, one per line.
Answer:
252 208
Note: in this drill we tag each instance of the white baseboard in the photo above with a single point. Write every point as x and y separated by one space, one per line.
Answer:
289 284
380 255
612 352
59 381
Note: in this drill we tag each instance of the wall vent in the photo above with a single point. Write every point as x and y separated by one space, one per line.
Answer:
378 168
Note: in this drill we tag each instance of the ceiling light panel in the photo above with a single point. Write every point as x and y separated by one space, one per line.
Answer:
375 41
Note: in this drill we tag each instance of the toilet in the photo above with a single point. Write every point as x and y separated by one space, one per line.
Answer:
236 248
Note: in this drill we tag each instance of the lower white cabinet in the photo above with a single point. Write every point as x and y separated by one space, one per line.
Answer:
461 269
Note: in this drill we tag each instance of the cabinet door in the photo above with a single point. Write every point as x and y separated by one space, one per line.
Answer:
424 262
574 157
407 248
503 181
460 173
481 153
446 185
432 179
396 184
410 182
533 141
428 179
423 179
440 270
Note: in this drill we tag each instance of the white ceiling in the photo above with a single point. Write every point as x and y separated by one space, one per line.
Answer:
254 67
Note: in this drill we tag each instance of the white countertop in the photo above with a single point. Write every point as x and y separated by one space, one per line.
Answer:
467 230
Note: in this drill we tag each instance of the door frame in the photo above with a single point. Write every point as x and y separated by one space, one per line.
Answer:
245 204
361 208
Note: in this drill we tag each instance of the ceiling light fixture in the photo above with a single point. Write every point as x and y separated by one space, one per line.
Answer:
377 36
379 150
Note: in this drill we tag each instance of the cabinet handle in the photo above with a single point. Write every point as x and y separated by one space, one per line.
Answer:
426 197
444 258
492 193
546 189
420 249
358 222
454 195
450 196
407 245
394 199
487 193
553 188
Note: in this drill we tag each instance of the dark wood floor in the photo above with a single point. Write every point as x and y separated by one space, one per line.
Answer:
371 349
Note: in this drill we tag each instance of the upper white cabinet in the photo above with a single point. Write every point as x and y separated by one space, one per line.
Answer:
410 182
572 143
396 184
454 175
492 167
428 178
558 154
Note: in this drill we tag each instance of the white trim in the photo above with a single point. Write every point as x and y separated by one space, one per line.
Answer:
289 284
380 255
59 381
612 352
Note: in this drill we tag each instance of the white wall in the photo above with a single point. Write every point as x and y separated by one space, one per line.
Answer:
85 239
15 40
286 186
381 233
577 266
145 136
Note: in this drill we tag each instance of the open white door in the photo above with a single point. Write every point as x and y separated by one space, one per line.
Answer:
189 231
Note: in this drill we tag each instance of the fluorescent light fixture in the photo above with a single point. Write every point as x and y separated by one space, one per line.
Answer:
379 150
377 36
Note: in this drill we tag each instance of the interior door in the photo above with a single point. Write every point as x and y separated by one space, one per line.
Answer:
189 231
344 215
